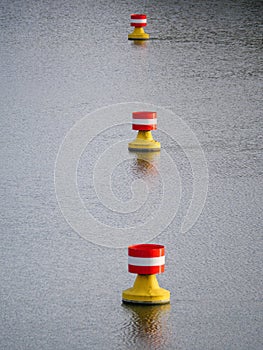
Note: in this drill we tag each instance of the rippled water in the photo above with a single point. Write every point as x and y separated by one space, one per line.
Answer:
59 63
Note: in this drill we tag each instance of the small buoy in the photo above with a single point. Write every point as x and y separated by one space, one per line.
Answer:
146 260
144 122
138 21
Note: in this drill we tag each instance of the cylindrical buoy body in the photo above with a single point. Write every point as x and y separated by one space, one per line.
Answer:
138 21
144 122
146 260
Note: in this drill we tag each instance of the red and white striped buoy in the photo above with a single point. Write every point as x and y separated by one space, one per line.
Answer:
138 20
144 121
146 259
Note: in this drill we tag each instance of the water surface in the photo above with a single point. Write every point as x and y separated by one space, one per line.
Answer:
59 62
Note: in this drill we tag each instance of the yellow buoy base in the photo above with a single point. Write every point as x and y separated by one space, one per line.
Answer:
138 34
144 142
146 290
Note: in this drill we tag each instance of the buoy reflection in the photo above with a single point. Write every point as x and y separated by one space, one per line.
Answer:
146 163
147 327
140 43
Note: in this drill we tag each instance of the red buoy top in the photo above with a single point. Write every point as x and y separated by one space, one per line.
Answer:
146 259
144 120
138 20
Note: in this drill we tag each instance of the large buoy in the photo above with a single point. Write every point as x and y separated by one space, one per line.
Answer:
146 260
138 21
144 122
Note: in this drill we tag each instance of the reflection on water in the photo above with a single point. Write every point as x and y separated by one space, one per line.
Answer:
146 164
135 179
140 42
146 326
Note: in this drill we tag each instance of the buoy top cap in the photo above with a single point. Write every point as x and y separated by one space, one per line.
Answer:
138 16
146 250
144 115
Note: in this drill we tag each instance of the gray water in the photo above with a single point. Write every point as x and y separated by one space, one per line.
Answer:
60 61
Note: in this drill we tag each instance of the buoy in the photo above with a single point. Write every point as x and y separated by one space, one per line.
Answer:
138 21
144 122
146 260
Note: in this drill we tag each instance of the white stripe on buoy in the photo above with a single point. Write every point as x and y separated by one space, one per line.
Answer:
146 261
138 121
138 20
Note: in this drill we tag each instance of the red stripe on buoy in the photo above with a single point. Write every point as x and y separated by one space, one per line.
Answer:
146 270
144 115
144 127
146 250
138 16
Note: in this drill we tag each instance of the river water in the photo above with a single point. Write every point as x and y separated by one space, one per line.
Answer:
70 80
